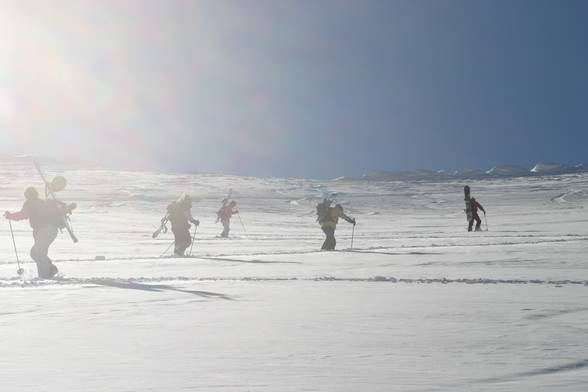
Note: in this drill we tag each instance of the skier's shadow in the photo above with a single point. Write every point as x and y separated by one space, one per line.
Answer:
247 261
565 367
156 288
390 253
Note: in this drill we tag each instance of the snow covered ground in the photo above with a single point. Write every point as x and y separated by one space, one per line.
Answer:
419 304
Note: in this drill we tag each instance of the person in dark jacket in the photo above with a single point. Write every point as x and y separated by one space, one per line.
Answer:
180 216
475 217
45 218
329 224
224 215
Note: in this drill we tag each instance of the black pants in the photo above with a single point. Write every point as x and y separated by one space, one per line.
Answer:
44 237
226 228
182 240
330 241
476 218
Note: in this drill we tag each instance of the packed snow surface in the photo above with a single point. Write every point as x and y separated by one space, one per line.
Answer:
418 304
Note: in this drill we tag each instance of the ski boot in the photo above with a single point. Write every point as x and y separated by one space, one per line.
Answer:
54 271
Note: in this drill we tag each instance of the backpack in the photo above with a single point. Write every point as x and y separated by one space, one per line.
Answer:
322 210
221 211
172 208
53 213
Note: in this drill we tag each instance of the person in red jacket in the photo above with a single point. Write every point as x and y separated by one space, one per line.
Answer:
475 217
224 215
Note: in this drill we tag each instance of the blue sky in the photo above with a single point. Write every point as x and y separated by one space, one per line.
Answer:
305 88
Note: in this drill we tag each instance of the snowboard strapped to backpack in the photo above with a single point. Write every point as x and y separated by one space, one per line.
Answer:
322 210
468 203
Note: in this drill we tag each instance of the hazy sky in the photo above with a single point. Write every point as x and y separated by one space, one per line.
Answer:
308 88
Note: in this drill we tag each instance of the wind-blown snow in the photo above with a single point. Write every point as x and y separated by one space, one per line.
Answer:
508 171
500 171
417 174
551 168
470 173
417 304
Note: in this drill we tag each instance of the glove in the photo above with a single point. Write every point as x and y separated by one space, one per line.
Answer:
7 215
353 221
196 222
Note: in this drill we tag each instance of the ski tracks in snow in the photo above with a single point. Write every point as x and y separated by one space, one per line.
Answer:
383 250
144 282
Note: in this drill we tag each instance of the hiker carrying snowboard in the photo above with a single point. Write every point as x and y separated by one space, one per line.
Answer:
475 217
224 214
180 215
328 217
45 218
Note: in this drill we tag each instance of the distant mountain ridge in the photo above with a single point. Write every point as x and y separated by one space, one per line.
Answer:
501 171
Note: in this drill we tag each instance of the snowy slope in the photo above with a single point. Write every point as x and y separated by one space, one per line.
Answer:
418 304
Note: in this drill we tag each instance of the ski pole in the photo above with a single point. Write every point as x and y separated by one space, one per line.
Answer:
241 220
19 270
352 235
193 240
486 221
166 249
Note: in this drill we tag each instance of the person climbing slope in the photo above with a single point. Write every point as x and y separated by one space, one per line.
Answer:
180 216
224 214
328 217
46 217
474 205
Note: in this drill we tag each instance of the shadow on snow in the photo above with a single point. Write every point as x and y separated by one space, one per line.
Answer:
155 288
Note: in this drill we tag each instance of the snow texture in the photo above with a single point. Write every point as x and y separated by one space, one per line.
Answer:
418 304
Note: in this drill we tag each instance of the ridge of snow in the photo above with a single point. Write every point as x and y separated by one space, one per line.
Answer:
508 171
415 174
469 173
551 168
499 171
